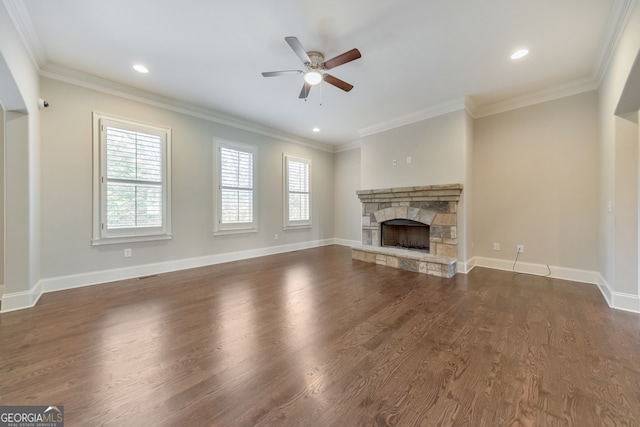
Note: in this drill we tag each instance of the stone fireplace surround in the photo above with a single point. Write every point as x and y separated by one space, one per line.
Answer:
434 205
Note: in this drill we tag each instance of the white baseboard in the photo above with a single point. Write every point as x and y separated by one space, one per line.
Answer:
565 273
20 300
345 242
626 302
617 300
465 267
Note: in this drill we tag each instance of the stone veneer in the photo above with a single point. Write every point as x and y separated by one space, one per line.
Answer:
434 205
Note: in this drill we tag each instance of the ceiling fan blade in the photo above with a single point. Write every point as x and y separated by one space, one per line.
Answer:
304 93
340 84
298 49
349 56
280 73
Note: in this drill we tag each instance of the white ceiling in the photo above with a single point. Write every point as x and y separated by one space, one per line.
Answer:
419 57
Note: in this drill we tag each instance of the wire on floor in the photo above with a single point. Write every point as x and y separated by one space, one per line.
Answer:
530 274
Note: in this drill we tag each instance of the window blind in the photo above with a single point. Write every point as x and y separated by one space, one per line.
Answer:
298 189
134 177
236 186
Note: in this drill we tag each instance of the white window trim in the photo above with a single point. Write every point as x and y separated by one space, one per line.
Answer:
288 224
99 235
236 228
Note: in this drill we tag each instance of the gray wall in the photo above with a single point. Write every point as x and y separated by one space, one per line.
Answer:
67 192
536 183
626 203
347 205
436 147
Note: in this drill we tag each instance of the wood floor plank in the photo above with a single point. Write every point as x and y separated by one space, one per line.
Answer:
314 338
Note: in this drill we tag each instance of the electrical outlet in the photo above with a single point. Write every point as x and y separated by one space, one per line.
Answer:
127 253
275 236
520 249
394 162
408 159
496 246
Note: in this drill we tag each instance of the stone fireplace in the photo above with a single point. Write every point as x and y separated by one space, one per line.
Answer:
412 228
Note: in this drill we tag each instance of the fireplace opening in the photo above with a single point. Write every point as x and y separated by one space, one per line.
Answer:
406 234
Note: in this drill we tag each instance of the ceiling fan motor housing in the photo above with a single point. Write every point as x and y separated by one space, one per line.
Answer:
317 60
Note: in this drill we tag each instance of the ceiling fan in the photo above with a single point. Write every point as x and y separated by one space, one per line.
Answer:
315 67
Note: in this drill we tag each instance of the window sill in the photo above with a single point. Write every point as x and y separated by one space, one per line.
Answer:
129 239
234 231
297 227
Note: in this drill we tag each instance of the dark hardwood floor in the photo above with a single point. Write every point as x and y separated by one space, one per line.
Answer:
312 338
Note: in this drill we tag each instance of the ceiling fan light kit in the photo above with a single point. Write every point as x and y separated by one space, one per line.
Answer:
315 66
313 77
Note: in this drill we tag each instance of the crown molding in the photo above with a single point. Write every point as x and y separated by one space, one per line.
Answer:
548 94
620 13
22 22
89 81
476 110
471 107
418 116
348 146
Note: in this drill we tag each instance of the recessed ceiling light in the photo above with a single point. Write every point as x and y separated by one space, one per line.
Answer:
140 68
520 53
316 129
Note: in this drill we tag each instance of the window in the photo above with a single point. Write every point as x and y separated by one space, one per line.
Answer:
131 188
236 196
297 189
